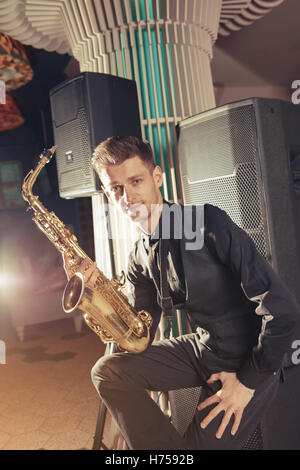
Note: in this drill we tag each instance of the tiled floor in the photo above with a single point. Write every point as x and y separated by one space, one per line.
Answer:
47 399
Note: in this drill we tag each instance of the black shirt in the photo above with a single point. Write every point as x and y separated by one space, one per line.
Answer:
174 268
247 275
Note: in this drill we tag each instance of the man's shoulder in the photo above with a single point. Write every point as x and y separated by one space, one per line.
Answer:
212 214
215 219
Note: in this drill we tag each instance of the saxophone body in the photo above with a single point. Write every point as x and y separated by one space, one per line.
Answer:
106 309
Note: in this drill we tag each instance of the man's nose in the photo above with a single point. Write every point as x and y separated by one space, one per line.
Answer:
127 195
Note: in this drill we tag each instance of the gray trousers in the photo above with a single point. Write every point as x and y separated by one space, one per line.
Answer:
123 380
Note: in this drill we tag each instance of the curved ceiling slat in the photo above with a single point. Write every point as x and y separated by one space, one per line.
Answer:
41 24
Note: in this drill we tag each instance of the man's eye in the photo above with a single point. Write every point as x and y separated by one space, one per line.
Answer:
137 181
116 188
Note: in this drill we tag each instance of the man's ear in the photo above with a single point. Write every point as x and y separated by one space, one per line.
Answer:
157 175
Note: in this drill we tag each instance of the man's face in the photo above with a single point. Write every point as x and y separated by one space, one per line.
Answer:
134 188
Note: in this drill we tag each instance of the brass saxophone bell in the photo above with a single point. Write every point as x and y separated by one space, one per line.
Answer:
132 338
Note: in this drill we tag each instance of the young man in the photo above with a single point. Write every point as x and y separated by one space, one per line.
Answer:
244 314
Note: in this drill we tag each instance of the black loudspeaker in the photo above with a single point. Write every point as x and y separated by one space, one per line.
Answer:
244 157
86 109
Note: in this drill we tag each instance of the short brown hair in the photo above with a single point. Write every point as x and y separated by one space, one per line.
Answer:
116 150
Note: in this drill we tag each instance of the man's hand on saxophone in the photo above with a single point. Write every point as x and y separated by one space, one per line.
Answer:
87 269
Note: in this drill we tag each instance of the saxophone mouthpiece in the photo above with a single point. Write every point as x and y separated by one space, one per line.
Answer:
48 153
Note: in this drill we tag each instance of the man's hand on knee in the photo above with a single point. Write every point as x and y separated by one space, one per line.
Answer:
232 399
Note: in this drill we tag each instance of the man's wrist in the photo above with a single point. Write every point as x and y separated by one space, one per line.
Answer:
250 377
251 391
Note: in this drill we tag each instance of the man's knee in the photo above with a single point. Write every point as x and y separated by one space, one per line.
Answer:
106 370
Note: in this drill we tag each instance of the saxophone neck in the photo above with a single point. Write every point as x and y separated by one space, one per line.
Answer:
31 177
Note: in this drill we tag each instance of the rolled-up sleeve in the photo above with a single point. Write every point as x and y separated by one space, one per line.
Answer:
277 306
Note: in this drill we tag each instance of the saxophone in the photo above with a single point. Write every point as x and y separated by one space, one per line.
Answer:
106 309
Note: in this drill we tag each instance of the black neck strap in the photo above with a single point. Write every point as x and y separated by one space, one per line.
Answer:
166 300
163 288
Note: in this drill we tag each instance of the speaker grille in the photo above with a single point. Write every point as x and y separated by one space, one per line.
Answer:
212 146
74 136
255 441
183 404
238 195
66 102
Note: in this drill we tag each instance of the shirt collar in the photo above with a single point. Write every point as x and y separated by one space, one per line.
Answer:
152 239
